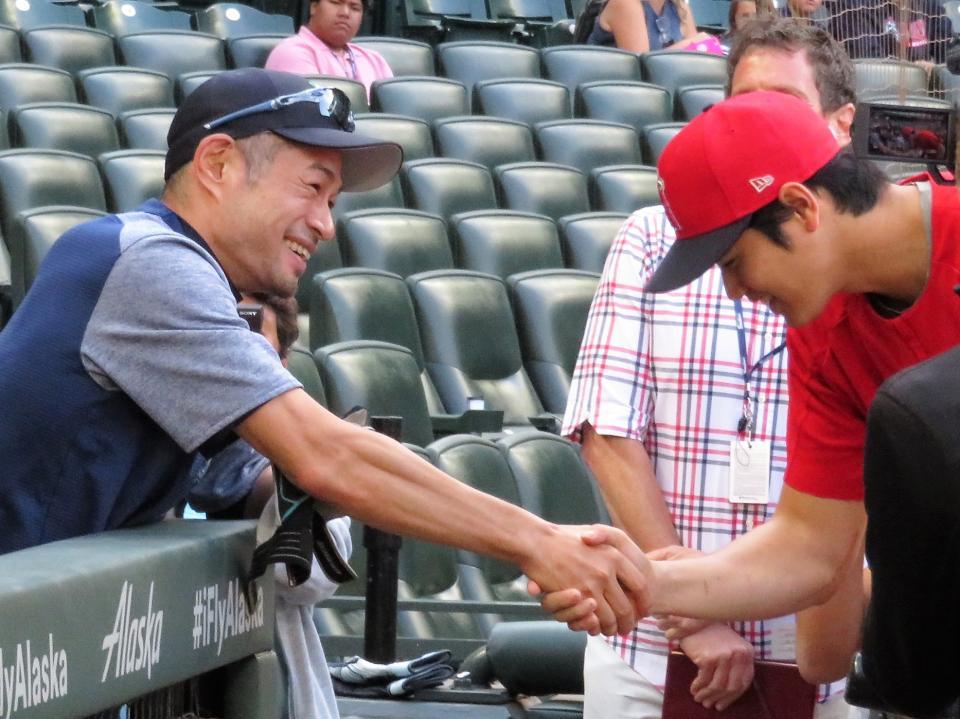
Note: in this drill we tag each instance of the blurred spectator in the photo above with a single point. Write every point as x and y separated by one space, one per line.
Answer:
804 10
739 14
646 25
881 28
322 46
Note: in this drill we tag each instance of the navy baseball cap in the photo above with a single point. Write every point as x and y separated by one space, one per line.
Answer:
245 102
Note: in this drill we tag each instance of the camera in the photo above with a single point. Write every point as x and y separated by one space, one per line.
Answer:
253 314
915 133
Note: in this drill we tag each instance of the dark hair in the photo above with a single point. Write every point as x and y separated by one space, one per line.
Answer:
854 184
285 308
587 19
832 67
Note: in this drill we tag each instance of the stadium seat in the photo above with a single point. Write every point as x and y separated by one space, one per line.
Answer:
489 141
21 83
405 57
529 101
120 89
428 98
69 48
637 104
411 133
691 100
551 309
23 15
9 45
325 257
303 367
388 195
888 77
504 242
64 126
711 14
173 52
124 17
552 480
4 143
382 377
656 137
453 20
470 62
470 343
585 238
364 304
394 240
588 144
673 69
230 20
252 50
623 188
445 187
576 64
187 82
947 82
35 232
542 187
146 129
353 89
131 176
536 17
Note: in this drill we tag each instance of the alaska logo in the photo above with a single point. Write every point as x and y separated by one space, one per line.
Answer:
29 680
134 643
761 183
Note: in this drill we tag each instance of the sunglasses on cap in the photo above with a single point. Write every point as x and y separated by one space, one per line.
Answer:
331 103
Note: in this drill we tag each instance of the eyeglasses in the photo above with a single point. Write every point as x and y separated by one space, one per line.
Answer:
331 103
664 28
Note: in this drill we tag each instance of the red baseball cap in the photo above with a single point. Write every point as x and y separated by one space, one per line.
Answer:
726 164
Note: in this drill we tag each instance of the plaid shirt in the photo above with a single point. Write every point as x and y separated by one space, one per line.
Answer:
666 369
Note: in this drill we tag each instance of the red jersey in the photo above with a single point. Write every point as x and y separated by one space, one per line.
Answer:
838 361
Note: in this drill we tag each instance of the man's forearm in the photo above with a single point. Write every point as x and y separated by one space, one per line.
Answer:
792 562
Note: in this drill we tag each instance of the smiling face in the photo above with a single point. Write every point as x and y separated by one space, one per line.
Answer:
336 22
276 219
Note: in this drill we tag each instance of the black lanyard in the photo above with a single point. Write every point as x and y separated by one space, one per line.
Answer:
746 423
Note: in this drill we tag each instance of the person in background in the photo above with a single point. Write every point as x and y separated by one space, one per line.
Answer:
803 10
644 25
323 46
881 29
657 396
740 13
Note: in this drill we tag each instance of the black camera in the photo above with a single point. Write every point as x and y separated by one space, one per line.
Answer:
916 133
253 314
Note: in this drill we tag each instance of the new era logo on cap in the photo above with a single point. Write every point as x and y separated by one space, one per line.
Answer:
761 183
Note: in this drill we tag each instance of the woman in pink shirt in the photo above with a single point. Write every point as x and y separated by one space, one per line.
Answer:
323 47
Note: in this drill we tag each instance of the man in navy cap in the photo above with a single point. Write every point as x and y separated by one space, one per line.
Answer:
127 358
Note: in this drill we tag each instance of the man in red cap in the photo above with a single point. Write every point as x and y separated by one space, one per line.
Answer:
863 271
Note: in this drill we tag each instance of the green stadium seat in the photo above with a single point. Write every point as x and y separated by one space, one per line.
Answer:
691 100
187 82
888 77
673 69
525 100
656 137
446 187
470 343
64 126
573 65
469 62
23 15
428 98
504 242
586 238
411 133
21 83
303 367
146 129
537 18
124 17
251 50
405 57
231 20
35 232
394 240
121 89
545 188
623 188
637 104
388 195
173 52
588 144
551 309
131 176
488 141
69 48
9 45
453 20
325 257
354 90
